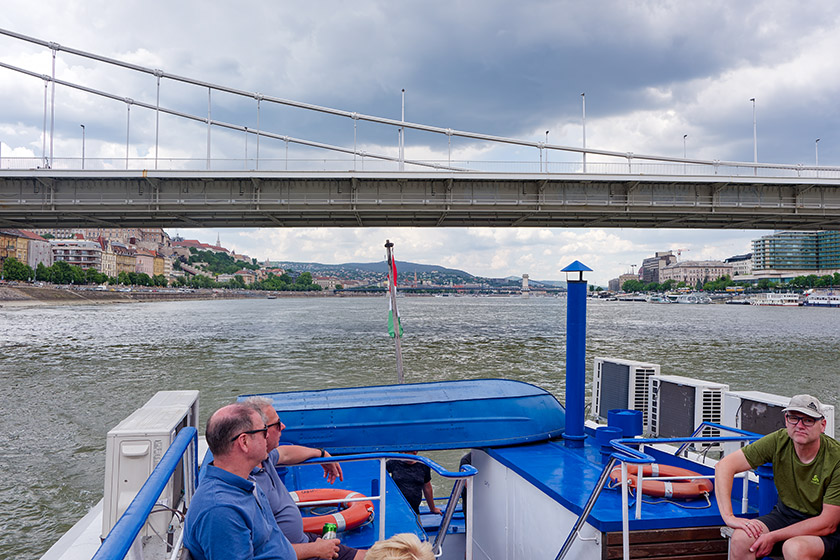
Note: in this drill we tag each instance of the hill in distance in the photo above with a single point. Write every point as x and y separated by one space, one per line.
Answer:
404 269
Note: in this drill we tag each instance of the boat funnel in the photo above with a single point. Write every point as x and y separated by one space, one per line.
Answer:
575 354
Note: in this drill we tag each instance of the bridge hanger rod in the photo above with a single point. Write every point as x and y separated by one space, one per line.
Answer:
288 102
223 124
394 122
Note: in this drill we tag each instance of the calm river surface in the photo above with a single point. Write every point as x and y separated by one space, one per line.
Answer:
69 374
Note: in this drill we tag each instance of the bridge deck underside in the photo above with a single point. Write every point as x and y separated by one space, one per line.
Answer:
352 201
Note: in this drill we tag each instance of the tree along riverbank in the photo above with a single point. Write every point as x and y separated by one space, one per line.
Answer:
25 294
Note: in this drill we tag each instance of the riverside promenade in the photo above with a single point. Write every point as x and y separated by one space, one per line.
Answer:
13 295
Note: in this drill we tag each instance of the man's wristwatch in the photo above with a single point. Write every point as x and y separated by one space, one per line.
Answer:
322 452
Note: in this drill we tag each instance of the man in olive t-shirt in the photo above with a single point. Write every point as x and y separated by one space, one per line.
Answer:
806 470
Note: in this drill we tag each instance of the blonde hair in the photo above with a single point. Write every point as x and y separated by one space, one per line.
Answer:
403 546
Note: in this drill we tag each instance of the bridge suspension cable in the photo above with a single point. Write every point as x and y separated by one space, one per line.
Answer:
449 132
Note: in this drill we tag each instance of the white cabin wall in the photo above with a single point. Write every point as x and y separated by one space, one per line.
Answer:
514 520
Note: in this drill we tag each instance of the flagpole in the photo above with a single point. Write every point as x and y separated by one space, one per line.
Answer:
392 294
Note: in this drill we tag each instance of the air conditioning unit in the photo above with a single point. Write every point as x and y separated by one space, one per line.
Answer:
760 413
136 445
621 384
678 405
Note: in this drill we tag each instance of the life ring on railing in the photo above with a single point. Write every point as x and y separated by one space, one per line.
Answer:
686 488
352 514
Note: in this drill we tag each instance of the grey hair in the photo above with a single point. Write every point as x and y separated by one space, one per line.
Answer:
258 404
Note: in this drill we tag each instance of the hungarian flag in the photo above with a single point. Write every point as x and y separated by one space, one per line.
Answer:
392 288
391 314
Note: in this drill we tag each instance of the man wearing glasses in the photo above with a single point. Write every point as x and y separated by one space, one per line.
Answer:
286 512
806 469
229 517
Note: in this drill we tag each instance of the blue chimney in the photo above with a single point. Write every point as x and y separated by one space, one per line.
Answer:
575 354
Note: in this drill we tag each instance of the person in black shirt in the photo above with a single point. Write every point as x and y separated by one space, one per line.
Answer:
414 480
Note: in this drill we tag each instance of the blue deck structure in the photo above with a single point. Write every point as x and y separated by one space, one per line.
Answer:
568 475
518 426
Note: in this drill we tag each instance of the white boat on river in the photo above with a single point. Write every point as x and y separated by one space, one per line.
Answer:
776 299
822 299
693 299
539 482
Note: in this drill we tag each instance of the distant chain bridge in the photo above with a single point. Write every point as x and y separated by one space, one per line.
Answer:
352 187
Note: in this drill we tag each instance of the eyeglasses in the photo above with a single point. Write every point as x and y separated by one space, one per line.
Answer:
278 424
264 431
807 421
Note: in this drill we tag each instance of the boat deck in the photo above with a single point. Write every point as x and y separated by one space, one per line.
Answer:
568 475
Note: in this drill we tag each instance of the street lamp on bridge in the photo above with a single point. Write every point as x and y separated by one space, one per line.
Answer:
583 103
755 136
817 151
546 151
83 145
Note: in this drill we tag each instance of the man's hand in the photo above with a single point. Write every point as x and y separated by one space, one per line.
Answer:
325 548
763 545
751 527
332 471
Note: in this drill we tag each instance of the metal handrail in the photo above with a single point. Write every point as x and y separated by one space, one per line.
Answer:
702 425
627 454
119 540
467 471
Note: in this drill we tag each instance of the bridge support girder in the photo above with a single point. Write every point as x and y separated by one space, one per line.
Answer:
50 198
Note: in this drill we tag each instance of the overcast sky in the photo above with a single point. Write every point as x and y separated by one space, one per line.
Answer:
652 73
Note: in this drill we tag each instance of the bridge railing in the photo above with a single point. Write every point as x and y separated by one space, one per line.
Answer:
362 164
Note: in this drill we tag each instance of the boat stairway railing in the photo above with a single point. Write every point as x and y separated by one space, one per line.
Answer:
626 454
460 478
122 537
124 533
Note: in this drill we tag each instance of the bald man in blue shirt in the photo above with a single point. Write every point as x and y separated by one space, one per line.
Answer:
229 517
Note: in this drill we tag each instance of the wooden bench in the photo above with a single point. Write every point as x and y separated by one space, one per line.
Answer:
697 543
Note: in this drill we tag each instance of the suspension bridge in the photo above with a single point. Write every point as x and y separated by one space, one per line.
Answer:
334 185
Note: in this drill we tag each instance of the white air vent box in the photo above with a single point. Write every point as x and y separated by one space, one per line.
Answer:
678 405
133 449
621 384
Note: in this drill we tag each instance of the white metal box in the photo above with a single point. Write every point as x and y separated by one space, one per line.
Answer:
136 445
621 384
678 405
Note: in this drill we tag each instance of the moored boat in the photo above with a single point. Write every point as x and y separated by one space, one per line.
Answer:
693 299
776 299
822 299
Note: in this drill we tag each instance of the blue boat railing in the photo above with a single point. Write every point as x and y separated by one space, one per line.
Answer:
460 477
116 545
119 540
627 454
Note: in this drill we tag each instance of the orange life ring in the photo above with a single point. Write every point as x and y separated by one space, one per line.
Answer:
685 489
352 514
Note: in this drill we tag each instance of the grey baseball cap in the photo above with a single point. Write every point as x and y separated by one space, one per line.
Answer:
805 404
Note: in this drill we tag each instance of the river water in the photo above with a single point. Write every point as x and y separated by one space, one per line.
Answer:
70 373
